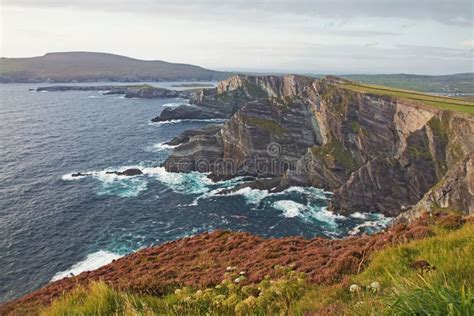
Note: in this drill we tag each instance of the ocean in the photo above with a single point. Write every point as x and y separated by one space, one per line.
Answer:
53 224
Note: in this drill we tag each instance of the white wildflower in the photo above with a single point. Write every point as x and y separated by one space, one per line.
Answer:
375 286
354 288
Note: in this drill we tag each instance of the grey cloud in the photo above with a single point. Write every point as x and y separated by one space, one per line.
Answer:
451 12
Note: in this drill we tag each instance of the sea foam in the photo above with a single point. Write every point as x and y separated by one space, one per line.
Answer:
160 147
91 262
217 121
172 104
289 208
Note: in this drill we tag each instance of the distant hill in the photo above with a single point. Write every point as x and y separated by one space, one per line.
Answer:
88 67
457 83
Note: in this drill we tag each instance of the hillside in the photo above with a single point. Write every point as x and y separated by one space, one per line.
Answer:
230 273
456 83
89 67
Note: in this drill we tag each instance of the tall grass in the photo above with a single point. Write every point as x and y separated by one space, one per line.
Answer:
448 290
422 296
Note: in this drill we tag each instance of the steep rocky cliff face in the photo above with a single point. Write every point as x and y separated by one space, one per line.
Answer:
376 153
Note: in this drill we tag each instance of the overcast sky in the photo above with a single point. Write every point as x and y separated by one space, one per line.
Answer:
327 36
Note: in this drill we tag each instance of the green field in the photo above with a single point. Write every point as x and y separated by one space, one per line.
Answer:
456 83
440 102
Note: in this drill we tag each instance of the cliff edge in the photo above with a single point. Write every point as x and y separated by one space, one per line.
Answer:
377 149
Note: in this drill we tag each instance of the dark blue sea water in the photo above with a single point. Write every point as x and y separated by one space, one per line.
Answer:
52 224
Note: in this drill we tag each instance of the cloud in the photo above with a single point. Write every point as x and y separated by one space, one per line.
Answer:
468 43
450 12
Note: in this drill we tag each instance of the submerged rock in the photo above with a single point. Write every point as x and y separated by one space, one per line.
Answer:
79 174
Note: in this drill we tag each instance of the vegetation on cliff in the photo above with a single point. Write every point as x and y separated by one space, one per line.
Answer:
424 268
444 103
456 83
391 284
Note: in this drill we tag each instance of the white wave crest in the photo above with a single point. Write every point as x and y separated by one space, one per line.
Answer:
218 121
113 184
91 262
325 216
376 223
184 183
359 215
252 196
161 146
289 208
172 104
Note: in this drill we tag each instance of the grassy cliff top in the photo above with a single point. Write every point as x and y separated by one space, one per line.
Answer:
455 83
444 103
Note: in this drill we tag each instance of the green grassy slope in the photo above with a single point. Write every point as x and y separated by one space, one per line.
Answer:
444 103
85 66
457 83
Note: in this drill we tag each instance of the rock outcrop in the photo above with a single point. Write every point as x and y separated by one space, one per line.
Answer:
376 153
127 172
220 102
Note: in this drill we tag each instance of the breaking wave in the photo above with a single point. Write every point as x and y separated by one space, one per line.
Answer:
218 121
91 262
160 147
304 203
173 104
371 223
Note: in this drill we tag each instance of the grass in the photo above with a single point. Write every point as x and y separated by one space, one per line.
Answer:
400 289
334 150
444 103
276 296
445 84
448 290
270 126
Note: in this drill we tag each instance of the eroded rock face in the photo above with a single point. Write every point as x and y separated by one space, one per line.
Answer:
376 153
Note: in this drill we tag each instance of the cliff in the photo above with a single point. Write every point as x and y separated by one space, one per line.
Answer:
378 152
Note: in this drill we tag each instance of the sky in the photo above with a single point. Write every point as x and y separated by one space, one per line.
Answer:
306 36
